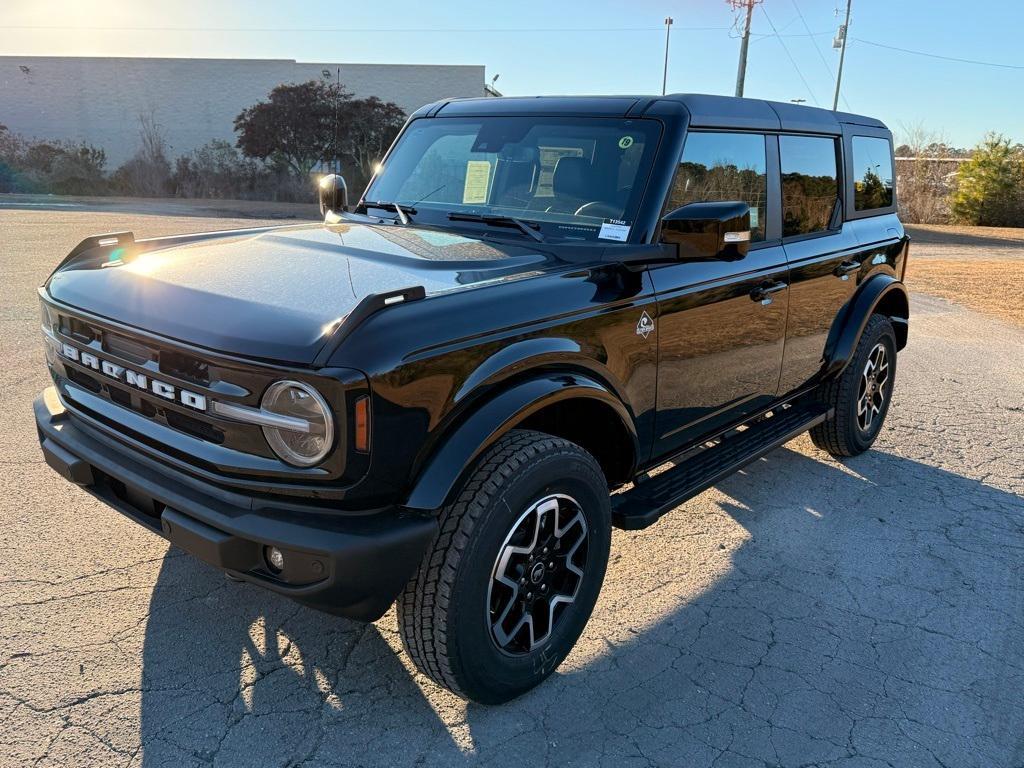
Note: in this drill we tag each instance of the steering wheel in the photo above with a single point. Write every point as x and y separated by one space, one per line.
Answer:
599 209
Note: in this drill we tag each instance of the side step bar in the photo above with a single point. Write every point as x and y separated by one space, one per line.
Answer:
720 457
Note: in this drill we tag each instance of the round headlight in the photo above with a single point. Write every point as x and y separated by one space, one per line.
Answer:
306 433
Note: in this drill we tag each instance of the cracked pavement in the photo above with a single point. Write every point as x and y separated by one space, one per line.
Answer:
803 612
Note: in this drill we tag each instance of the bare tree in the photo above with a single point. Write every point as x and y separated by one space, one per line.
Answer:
148 172
926 169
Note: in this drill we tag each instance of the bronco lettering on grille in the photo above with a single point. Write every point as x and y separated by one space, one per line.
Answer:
133 378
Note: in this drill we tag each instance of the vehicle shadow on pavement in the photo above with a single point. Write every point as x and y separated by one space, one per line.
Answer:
809 612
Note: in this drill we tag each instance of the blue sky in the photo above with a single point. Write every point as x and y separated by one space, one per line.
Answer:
572 46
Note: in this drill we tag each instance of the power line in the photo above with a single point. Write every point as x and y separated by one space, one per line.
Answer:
339 30
939 56
791 59
808 33
821 56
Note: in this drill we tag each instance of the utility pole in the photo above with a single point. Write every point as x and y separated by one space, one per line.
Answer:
741 73
664 75
840 42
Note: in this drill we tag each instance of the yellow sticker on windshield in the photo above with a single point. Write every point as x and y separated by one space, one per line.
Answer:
478 174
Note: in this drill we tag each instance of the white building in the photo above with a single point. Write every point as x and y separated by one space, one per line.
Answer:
100 100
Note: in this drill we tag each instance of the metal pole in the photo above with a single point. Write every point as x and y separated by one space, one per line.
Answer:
741 73
337 155
842 56
664 76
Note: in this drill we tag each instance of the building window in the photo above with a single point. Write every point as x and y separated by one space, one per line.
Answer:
724 166
810 184
872 173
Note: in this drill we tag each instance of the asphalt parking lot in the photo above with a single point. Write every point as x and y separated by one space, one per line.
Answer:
804 612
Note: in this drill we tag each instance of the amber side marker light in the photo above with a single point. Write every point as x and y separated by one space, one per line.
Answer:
362 408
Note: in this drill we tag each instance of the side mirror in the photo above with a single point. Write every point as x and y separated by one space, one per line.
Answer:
333 193
717 231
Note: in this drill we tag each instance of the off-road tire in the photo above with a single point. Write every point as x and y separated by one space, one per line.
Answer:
443 614
842 435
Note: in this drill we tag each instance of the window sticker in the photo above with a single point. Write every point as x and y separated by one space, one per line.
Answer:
625 142
478 174
613 229
753 217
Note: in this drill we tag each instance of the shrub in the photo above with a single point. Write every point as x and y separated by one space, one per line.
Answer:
62 168
148 172
925 174
217 170
214 170
990 186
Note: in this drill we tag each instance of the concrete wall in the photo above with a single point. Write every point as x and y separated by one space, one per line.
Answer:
99 100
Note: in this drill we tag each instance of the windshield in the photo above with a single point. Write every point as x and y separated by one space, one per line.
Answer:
574 178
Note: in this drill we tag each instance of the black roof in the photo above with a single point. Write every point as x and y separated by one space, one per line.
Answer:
706 111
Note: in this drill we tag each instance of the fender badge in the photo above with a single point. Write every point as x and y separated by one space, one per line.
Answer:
645 326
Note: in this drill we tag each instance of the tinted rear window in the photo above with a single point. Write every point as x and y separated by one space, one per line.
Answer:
872 173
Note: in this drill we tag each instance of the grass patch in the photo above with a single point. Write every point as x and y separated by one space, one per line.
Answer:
989 286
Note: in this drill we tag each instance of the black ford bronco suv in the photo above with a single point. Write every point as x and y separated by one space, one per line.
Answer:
448 395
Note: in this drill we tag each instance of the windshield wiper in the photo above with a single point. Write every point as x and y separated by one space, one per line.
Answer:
500 221
403 211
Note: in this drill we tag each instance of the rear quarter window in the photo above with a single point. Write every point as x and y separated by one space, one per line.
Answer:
872 173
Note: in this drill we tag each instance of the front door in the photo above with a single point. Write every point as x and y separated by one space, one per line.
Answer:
721 324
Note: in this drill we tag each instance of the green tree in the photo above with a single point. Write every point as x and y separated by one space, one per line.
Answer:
368 126
297 127
990 186
871 192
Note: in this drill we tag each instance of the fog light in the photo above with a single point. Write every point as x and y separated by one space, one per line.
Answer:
275 558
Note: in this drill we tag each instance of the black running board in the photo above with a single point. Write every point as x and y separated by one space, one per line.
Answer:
648 500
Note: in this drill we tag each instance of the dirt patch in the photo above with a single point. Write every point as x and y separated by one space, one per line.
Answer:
992 286
962 243
951 234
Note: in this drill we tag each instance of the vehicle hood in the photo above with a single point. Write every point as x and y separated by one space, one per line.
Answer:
277 293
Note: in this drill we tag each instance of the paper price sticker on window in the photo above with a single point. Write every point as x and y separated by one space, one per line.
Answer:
614 230
478 174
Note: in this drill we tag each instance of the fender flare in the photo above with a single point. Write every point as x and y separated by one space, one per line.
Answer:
880 290
495 417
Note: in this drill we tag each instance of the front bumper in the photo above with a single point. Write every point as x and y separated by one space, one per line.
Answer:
350 565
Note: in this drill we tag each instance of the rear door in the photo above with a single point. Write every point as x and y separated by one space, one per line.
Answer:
720 340
824 256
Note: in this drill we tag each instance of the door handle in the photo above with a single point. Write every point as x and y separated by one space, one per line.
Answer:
764 291
846 268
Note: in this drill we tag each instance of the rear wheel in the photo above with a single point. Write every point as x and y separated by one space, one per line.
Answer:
861 394
509 584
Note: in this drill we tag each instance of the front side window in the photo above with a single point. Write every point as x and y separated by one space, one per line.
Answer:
810 184
872 173
568 176
719 167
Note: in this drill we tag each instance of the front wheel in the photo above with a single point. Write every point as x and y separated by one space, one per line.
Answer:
509 584
861 394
